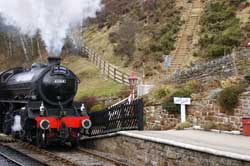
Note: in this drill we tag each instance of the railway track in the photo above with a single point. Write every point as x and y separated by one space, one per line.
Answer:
103 157
10 160
85 157
40 155
64 156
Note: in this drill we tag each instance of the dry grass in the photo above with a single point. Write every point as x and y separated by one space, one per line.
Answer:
92 82
244 15
98 40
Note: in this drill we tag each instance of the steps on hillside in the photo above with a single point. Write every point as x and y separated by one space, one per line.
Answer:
182 51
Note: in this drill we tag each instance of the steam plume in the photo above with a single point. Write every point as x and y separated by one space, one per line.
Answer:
52 18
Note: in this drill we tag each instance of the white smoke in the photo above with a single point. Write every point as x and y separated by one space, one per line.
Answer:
52 18
17 124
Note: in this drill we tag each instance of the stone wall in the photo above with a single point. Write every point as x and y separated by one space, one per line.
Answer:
159 119
205 110
145 153
201 111
238 63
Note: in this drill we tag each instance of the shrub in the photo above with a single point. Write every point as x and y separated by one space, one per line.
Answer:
155 47
215 51
96 108
89 102
182 126
209 125
162 92
170 107
228 98
193 86
213 94
168 102
182 93
247 78
195 54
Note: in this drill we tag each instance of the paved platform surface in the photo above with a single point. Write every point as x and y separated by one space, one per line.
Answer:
233 146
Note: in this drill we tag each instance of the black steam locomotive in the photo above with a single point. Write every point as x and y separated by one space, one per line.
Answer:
36 104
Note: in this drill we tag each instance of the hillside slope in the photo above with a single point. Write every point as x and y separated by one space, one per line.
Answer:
92 82
137 34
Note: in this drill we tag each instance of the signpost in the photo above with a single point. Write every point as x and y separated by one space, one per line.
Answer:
183 101
167 61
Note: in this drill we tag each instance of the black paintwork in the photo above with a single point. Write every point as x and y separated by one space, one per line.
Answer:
52 84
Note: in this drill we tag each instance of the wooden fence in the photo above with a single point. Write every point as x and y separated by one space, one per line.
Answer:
107 69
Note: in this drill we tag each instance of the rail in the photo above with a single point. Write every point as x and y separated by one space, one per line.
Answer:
107 69
10 159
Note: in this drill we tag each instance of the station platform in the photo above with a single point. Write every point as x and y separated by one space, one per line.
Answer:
227 145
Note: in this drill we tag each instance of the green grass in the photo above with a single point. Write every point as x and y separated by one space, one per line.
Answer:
92 82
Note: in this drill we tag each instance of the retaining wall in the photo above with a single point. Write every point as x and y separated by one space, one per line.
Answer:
237 63
141 152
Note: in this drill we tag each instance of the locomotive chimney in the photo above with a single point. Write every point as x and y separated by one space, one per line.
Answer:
54 60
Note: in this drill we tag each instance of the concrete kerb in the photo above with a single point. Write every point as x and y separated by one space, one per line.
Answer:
188 146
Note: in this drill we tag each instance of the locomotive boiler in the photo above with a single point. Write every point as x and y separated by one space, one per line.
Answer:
36 104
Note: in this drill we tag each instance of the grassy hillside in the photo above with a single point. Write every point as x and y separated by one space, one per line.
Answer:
130 33
93 83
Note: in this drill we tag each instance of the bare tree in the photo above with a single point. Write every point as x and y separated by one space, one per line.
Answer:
24 48
32 47
9 44
39 49
126 38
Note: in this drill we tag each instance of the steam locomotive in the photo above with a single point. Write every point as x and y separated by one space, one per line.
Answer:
36 104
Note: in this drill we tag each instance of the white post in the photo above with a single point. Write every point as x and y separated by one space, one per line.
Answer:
183 102
183 113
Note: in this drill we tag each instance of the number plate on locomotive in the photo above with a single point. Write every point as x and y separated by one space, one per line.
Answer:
60 81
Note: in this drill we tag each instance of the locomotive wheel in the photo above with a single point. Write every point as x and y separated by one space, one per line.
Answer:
75 142
8 120
1 117
15 134
41 138
23 135
74 137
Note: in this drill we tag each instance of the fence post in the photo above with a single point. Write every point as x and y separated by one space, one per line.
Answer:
100 63
108 71
104 66
93 57
96 59
122 77
114 73
139 108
